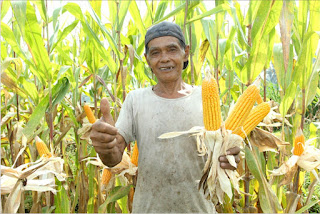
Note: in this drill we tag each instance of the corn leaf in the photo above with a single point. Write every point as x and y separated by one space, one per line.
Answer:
135 13
116 193
220 8
270 202
288 99
58 93
161 9
62 202
64 34
31 32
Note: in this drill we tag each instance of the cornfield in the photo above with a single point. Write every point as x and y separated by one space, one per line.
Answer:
60 58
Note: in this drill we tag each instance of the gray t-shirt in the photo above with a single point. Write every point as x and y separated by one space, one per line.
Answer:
168 169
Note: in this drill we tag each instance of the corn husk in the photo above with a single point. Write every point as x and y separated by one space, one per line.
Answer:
215 181
122 170
309 160
35 176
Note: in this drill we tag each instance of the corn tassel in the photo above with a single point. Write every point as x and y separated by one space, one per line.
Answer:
106 176
42 148
242 108
135 154
211 104
254 118
299 143
89 113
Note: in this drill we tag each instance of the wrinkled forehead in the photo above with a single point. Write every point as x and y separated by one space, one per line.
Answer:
163 42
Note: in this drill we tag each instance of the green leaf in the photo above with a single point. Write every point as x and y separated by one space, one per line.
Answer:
124 5
270 201
161 9
288 99
42 9
252 12
31 32
135 13
220 8
58 92
116 193
306 207
5 5
62 202
64 34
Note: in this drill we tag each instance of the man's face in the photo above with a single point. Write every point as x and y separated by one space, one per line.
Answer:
166 57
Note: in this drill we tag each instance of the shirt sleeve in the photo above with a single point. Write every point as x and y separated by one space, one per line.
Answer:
125 122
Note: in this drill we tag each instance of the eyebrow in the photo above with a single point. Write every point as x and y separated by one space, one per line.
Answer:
167 46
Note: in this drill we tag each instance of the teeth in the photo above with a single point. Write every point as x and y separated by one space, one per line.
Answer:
166 68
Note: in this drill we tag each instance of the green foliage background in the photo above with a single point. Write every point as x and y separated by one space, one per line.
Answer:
50 67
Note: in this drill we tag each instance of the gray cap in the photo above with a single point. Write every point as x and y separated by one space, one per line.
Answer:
165 29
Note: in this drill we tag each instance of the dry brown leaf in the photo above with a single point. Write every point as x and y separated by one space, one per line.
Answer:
266 141
289 175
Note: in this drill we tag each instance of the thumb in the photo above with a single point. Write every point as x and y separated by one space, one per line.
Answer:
105 110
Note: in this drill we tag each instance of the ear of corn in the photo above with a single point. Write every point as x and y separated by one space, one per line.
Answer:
299 143
242 108
42 148
106 176
259 99
135 154
89 113
211 104
254 118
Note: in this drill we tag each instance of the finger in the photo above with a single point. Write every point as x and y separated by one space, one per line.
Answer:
223 158
103 127
98 146
105 110
233 151
237 158
102 137
224 165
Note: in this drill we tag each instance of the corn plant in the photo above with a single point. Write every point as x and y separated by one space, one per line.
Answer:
59 59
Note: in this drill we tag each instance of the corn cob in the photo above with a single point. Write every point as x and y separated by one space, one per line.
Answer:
106 176
299 143
242 108
89 113
211 104
254 118
259 99
42 148
135 155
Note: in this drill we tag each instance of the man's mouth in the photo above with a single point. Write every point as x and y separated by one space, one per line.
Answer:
168 68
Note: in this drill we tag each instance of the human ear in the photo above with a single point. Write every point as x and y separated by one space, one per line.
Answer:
186 52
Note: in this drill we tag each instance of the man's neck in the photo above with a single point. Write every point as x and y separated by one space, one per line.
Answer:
172 90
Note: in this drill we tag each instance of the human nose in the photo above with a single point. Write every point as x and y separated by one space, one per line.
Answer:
164 57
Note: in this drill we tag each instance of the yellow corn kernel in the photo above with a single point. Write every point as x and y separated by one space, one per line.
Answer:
211 104
242 108
299 143
254 118
106 176
89 113
135 154
42 148
259 99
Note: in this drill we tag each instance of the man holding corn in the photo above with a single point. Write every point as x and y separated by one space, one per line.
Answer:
168 168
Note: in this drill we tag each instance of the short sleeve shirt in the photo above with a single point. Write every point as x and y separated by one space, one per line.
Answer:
169 169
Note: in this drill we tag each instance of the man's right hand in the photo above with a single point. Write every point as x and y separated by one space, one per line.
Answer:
107 142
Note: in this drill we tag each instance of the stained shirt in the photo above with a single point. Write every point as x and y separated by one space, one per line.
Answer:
169 169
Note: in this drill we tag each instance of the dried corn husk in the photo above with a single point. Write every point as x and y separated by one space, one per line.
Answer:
309 160
215 181
28 177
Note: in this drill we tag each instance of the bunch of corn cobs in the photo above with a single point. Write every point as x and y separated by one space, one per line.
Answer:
220 136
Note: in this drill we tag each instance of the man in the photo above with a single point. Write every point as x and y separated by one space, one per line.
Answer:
168 169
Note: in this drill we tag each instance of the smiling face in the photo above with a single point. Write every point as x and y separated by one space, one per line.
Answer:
165 57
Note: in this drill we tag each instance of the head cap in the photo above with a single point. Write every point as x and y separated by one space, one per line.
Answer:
165 29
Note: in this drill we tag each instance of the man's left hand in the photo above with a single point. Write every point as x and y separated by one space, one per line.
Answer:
224 163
